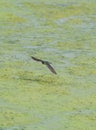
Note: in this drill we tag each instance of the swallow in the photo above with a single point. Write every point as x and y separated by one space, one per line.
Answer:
47 63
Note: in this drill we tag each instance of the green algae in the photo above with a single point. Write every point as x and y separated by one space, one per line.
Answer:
31 97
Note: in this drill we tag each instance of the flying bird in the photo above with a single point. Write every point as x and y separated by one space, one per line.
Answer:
47 63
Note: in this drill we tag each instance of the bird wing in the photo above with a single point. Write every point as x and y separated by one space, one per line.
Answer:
51 68
36 59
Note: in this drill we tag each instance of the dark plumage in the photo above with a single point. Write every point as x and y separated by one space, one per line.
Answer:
45 63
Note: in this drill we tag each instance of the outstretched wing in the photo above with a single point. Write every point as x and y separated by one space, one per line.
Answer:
36 59
46 63
51 68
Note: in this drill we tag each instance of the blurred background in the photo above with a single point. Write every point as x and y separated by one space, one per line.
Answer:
64 33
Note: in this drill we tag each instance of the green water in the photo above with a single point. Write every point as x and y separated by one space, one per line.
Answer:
64 33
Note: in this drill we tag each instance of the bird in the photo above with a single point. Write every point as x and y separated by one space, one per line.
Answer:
47 63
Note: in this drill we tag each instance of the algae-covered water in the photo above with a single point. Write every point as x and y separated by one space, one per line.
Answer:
64 33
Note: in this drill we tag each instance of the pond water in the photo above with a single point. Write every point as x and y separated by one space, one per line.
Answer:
63 33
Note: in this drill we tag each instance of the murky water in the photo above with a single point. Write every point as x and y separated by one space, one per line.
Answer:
62 32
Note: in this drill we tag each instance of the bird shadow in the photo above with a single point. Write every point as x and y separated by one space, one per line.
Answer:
40 79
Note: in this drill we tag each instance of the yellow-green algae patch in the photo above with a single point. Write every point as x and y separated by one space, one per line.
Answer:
31 97
10 17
